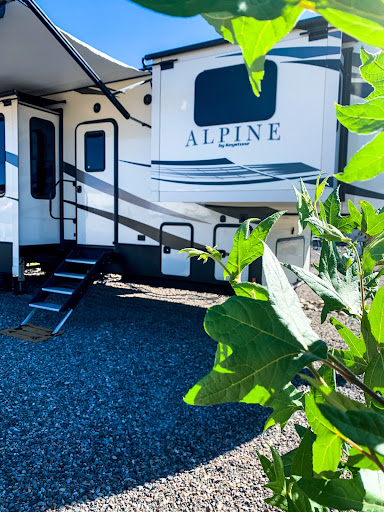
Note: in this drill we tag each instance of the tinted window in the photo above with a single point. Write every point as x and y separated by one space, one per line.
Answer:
2 155
42 140
94 145
225 96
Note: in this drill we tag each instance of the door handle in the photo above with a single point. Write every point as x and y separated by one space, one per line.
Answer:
167 250
79 189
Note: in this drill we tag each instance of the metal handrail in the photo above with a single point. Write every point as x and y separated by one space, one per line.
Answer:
53 189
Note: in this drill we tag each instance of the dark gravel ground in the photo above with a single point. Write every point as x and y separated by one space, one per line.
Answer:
94 420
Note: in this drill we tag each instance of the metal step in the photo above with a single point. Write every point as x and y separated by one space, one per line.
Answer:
80 260
61 291
69 275
46 305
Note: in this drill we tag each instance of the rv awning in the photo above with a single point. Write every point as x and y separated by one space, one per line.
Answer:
33 61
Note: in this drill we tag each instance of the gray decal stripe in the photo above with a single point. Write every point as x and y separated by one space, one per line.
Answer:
173 241
324 63
12 159
215 161
300 53
357 191
107 188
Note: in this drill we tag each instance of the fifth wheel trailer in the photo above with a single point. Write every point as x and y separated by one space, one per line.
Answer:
97 154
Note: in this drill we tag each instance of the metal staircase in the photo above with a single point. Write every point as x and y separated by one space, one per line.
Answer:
67 285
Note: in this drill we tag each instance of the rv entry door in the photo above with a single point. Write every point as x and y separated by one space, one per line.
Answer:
96 164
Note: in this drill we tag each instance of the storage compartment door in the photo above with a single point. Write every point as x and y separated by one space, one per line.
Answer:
291 250
223 238
175 237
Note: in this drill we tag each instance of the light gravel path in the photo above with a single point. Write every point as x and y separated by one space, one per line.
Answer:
94 420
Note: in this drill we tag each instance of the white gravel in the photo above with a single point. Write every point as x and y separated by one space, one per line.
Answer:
94 420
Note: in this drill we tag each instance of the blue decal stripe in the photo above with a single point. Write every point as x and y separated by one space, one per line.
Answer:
324 63
12 159
306 52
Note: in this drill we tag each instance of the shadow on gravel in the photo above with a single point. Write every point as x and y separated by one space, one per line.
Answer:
99 410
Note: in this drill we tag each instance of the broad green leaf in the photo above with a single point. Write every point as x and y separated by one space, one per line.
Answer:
256 36
366 163
356 216
364 427
286 403
370 339
356 365
372 72
363 118
362 19
326 230
247 245
284 300
357 460
376 316
267 465
373 254
265 354
251 290
304 206
261 10
337 293
374 376
327 447
278 485
356 345
365 492
332 397
332 209
302 462
372 222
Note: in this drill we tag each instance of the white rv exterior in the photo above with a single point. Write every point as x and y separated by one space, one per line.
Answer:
196 155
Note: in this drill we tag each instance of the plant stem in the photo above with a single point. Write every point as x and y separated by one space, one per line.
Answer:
224 267
307 5
348 376
376 460
361 275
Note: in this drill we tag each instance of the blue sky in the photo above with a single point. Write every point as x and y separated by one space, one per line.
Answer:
123 29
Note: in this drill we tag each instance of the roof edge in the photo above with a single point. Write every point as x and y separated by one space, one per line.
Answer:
307 24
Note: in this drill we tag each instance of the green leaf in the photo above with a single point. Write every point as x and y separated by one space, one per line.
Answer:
327 231
304 206
332 209
356 216
356 365
320 188
364 427
265 354
362 118
278 484
373 254
247 245
285 301
265 10
302 462
251 290
256 36
337 293
376 316
372 222
374 377
366 163
362 19
358 460
356 345
365 492
286 403
372 72
327 447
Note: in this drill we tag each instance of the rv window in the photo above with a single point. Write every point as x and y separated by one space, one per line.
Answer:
94 145
42 141
225 96
2 155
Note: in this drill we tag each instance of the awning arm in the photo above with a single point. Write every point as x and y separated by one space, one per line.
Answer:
79 59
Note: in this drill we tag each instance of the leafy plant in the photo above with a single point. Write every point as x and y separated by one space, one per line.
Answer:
264 339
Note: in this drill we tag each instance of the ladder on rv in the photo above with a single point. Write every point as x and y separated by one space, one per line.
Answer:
69 283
